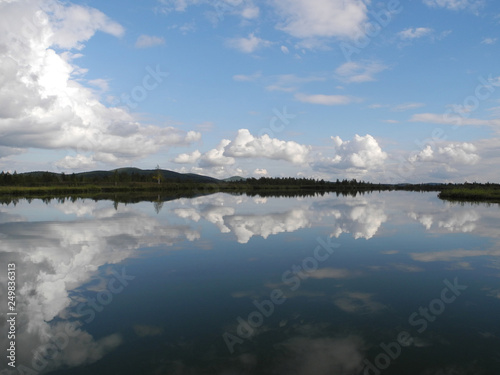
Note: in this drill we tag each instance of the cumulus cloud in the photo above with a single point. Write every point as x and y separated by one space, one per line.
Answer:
463 153
355 72
43 103
426 154
187 158
360 154
245 145
307 19
414 33
248 45
260 172
146 41
75 162
451 153
216 157
360 218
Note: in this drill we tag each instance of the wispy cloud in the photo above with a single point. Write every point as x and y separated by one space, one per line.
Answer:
147 41
325 99
489 41
452 119
407 106
471 5
357 72
247 78
414 33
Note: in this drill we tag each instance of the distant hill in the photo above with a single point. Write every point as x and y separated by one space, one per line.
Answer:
167 174
234 178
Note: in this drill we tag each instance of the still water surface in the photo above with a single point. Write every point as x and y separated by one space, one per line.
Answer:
383 283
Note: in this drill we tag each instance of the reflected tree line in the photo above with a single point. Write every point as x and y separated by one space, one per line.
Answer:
154 186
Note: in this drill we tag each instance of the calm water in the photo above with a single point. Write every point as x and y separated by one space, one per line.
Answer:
384 283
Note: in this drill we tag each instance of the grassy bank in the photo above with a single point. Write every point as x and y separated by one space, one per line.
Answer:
474 194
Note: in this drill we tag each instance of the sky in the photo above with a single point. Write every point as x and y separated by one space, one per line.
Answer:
382 91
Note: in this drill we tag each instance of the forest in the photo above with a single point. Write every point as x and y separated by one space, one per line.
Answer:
131 183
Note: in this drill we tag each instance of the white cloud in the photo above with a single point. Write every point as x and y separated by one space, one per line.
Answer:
42 102
219 9
427 154
472 5
100 83
216 157
250 12
324 99
247 226
285 50
245 145
260 172
360 155
463 153
187 158
356 72
248 45
176 5
362 220
76 162
414 33
489 41
74 24
307 19
146 41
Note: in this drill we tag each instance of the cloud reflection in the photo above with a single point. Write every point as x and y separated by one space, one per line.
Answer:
54 258
362 218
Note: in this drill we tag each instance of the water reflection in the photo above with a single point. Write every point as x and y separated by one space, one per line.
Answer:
236 214
97 280
55 258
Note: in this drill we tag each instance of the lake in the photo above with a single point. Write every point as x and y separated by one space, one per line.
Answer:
380 283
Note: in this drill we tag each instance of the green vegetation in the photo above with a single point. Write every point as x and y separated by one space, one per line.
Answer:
132 184
472 192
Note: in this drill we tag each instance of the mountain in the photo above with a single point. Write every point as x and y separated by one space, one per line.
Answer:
234 178
167 174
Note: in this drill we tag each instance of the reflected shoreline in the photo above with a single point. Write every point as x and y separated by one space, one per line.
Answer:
161 197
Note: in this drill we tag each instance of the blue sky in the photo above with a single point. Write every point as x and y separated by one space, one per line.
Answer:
386 91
